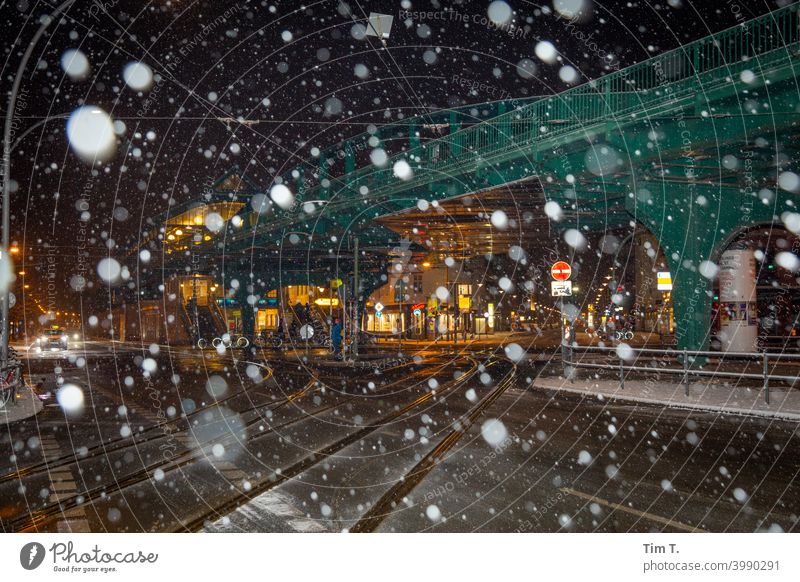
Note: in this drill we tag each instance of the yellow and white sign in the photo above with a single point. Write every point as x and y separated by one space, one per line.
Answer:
327 302
664 281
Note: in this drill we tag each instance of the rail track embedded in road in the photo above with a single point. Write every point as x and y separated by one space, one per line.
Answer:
54 510
320 455
394 496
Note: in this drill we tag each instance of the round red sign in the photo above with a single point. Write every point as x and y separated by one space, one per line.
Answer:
561 271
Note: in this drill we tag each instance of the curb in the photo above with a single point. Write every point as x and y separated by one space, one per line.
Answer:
619 395
6 413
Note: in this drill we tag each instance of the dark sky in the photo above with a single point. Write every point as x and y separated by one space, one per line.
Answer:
301 78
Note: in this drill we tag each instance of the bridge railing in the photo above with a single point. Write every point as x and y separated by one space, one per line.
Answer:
767 363
661 83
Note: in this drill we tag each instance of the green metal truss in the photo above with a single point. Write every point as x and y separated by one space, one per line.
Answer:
668 123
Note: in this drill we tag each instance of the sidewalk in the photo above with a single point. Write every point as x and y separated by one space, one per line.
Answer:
28 404
548 337
708 397
495 338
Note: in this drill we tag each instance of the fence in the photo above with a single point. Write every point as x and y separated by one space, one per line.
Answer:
687 358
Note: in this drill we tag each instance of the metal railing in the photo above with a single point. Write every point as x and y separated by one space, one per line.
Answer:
220 322
662 83
687 360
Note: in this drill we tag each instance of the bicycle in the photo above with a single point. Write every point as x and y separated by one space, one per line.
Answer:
227 341
273 340
10 379
617 335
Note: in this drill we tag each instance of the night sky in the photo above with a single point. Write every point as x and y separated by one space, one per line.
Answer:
300 77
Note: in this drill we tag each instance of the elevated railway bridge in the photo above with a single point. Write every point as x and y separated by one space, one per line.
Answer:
696 146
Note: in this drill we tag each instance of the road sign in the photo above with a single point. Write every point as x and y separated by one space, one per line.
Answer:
663 281
379 307
561 271
561 288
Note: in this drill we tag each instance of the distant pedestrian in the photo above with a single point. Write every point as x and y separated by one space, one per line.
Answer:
336 338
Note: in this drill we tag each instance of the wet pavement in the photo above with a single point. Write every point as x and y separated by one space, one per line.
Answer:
189 440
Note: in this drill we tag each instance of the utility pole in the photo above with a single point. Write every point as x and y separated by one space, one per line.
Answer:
341 290
447 311
456 316
456 313
400 322
356 296
5 253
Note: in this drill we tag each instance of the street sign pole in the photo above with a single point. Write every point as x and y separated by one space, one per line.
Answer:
566 338
343 303
400 322
456 316
561 287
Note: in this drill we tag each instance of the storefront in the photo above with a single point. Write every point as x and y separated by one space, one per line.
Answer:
231 313
388 320
267 315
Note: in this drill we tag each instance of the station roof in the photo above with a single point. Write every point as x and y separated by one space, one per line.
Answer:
462 226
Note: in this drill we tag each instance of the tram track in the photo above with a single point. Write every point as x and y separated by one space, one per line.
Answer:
121 443
314 458
372 519
186 458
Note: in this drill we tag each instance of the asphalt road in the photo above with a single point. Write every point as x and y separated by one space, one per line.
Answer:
434 442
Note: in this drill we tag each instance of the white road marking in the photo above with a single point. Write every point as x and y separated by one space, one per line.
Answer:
272 503
630 510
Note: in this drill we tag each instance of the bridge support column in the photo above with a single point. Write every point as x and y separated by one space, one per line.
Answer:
247 310
694 224
683 218
691 302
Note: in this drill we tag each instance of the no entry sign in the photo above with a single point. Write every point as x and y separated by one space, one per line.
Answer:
561 271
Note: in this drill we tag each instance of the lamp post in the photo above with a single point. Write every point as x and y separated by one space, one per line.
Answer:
400 323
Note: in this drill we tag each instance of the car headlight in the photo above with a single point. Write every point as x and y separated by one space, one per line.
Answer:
64 338
43 338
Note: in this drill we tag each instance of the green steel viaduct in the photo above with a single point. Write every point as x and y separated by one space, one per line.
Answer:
695 145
